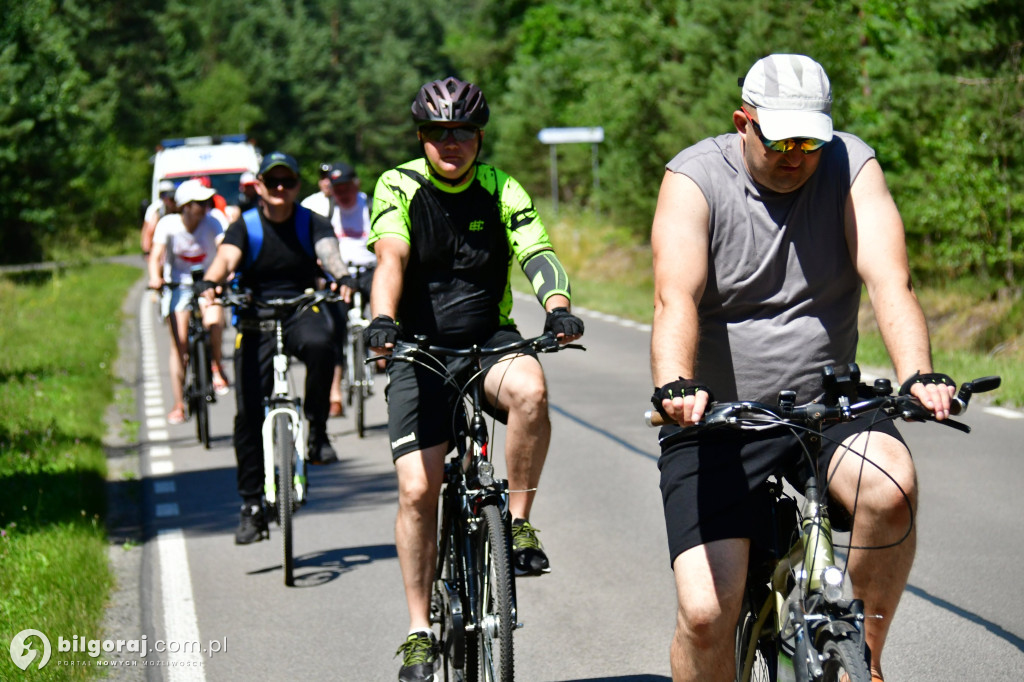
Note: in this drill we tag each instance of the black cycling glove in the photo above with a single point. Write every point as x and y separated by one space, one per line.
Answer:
931 378
202 285
348 281
561 321
381 331
676 389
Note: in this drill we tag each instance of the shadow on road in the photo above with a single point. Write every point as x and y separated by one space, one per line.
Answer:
208 502
319 568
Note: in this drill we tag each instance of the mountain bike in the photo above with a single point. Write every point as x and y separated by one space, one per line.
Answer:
795 622
474 593
357 383
285 487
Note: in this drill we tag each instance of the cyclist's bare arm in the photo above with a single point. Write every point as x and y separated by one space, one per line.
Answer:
679 240
874 232
389 277
155 265
227 260
329 255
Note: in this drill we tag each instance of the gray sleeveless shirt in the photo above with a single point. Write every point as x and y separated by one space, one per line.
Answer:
782 292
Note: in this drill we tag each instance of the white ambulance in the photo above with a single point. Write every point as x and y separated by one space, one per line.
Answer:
222 159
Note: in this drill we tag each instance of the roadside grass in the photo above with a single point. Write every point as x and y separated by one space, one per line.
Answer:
976 329
59 333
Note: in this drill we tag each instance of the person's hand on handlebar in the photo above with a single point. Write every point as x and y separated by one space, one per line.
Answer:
381 334
683 401
935 391
344 287
564 325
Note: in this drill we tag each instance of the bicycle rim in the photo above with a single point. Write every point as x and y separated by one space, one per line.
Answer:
764 667
284 460
494 609
844 661
359 381
201 381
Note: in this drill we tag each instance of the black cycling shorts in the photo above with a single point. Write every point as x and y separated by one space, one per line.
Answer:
421 406
712 484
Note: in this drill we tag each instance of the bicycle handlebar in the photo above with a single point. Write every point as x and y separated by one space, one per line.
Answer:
247 300
545 343
905 407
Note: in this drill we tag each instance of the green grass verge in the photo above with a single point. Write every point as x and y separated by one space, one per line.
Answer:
976 330
59 332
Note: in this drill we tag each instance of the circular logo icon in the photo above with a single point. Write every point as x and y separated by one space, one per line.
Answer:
23 654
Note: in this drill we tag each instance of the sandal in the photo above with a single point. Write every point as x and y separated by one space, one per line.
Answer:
220 384
176 416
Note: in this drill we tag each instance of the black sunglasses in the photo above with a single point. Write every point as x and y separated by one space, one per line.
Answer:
285 182
441 133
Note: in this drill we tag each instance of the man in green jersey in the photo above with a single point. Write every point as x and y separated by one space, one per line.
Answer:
446 230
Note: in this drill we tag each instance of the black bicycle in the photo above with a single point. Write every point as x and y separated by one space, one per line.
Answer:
198 390
474 595
795 623
357 382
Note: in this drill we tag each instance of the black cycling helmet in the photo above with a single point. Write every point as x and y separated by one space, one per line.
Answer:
450 101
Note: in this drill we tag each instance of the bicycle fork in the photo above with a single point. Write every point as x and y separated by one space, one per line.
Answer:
280 403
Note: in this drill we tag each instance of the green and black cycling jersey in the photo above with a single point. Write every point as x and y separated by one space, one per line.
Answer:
463 242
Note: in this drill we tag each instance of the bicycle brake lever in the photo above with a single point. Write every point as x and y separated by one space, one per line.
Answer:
954 424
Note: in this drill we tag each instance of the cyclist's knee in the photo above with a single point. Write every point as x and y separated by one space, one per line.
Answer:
704 624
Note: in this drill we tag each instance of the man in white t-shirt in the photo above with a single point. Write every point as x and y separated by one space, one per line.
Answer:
182 241
320 201
348 211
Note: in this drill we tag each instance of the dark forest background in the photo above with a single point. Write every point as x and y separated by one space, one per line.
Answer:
88 88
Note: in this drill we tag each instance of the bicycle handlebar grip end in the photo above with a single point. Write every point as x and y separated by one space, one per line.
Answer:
654 418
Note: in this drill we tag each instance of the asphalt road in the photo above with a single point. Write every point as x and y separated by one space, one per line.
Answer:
605 612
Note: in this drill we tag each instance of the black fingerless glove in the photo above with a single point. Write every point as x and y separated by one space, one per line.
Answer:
347 281
198 288
381 331
561 321
677 389
932 378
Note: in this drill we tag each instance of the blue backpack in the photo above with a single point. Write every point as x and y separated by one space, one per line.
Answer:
254 228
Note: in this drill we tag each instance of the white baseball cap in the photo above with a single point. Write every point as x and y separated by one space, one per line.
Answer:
792 95
191 190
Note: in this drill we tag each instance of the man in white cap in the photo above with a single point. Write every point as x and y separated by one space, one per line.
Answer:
762 240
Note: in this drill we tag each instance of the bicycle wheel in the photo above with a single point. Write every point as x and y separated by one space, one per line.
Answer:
201 383
284 460
494 618
764 666
458 647
358 351
844 661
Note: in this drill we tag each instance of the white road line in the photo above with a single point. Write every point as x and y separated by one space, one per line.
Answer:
164 487
166 510
180 624
1004 412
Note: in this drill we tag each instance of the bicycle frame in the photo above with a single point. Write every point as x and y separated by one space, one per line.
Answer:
281 401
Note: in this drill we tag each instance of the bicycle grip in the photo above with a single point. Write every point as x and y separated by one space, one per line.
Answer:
654 418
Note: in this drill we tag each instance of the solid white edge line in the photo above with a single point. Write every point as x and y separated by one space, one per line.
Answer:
180 623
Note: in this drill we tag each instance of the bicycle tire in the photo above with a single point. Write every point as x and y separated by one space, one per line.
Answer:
766 658
842 660
284 460
359 381
201 383
494 618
